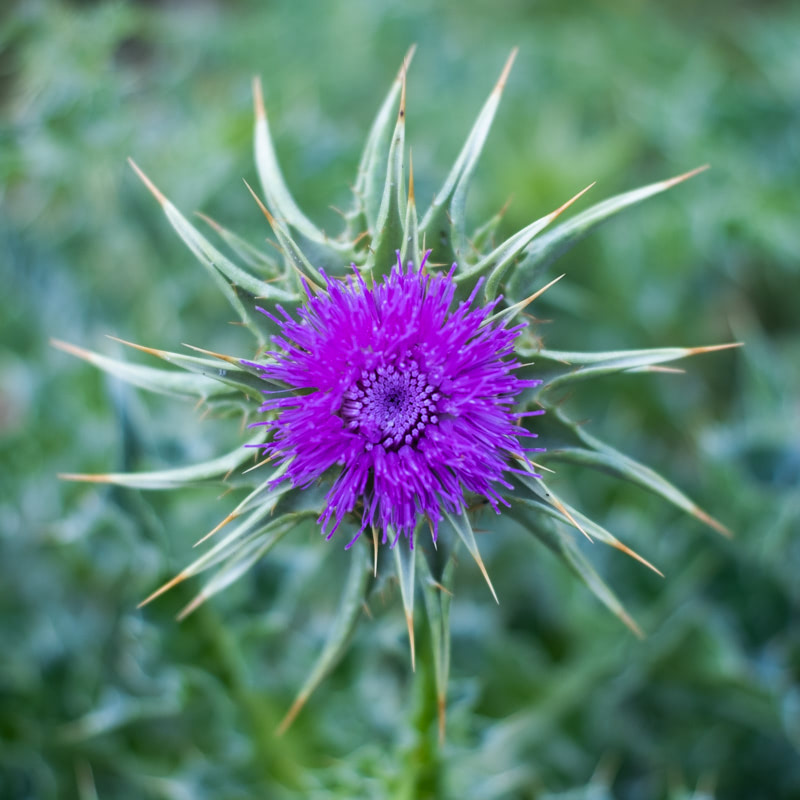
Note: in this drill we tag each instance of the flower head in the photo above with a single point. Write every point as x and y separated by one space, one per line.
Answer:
409 399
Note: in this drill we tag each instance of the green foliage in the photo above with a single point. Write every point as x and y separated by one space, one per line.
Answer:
545 690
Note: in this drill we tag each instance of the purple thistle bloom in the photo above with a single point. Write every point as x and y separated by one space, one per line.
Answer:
411 401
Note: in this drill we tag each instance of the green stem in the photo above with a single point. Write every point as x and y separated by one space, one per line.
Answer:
272 753
422 768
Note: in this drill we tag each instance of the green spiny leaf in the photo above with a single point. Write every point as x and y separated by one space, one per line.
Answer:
410 247
221 268
600 456
234 374
592 365
404 559
350 608
163 381
389 235
546 501
462 526
212 471
563 545
447 235
500 259
252 256
544 250
292 251
273 185
371 174
245 556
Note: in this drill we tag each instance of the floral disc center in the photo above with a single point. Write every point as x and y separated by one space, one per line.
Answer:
392 405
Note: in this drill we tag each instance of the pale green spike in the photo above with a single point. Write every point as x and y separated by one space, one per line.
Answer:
163 381
580 564
251 256
483 234
293 253
657 354
544 250
234 374
350 609
605 458
273 185
546 501
623 361
461 525
371 175
504 256
447 234
410 247
404 560
212 471
389 233
267 493
222 269
216 555
510 312
257 545
562 544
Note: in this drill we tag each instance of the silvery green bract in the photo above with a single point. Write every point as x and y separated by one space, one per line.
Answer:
383 223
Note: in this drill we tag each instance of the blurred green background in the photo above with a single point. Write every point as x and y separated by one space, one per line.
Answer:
551 696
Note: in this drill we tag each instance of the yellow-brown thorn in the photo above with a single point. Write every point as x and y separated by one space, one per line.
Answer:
375 552
670 182
410 178
273 224
482 568
441 713
258 99
401 111
73 350
264 209
154 190
659 368
501 81
193 605
631 624
179 578
535 296
634 555
232 516
410 625
406 63
152 351
291 714
359 237
711 522
712 348
256 466
209 221
367 610
560 506
561 209
86 477
221 356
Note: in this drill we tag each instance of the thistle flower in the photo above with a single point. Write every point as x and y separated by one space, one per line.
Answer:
411 399
395 397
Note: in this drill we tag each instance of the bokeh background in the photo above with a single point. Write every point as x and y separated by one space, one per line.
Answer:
551 697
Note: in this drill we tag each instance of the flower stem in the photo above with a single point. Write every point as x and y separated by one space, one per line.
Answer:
422 775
